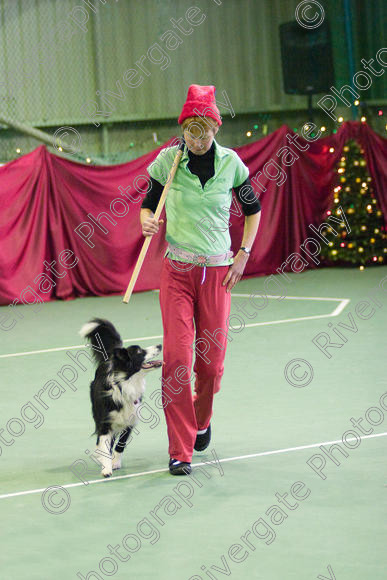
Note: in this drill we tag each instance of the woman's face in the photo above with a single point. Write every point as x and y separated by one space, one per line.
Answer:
198 139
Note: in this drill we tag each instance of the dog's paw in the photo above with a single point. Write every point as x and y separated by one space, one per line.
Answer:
107 472
117 460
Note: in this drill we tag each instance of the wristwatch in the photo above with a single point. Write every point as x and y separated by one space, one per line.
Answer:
246 249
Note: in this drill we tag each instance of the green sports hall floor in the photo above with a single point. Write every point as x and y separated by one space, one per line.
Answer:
264 432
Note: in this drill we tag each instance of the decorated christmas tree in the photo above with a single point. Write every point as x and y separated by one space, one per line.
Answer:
366 242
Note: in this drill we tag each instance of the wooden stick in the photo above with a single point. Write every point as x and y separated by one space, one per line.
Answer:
158 211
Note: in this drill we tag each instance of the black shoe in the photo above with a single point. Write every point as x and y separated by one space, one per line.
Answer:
177 467
203 441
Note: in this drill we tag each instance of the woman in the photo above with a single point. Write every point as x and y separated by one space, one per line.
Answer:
198 270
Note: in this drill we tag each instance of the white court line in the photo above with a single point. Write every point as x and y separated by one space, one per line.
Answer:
234 294
290 320
226 460
336 312
341 307
293 297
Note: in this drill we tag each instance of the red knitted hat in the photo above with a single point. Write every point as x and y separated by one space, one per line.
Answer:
200 103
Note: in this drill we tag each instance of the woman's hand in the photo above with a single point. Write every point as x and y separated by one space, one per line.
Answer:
150 226
235 271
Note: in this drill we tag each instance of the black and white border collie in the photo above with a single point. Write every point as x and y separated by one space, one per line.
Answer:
117 388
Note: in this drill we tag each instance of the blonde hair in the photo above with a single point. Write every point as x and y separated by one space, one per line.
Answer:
192 124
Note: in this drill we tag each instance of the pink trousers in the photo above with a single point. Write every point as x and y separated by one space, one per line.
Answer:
195 308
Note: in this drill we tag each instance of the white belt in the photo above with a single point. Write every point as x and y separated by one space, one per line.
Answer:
201 259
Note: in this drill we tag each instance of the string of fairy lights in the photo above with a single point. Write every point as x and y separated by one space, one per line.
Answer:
259 128
262 126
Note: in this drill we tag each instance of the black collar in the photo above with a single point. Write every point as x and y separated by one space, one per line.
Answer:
210 154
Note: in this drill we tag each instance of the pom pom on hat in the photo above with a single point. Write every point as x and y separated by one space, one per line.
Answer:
200 102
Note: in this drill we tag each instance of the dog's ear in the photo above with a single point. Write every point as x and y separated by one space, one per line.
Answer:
121 354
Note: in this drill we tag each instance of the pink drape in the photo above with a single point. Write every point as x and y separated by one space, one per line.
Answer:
44 199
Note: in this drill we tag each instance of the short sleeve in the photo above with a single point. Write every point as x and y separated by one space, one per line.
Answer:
160 167
241 172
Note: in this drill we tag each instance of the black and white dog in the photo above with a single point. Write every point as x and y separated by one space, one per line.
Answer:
117 388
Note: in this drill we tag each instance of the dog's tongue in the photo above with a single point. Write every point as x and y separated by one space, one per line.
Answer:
152 364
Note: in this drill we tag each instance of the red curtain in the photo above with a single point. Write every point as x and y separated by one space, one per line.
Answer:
52 246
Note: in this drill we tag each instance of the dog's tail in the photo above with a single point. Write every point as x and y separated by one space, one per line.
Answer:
103 337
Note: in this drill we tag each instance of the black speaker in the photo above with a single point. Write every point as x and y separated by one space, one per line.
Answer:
307 63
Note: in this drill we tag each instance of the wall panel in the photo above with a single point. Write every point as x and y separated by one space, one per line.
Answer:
50 67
